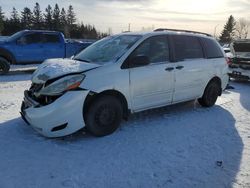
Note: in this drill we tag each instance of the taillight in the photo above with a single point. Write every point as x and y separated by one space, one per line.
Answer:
228 60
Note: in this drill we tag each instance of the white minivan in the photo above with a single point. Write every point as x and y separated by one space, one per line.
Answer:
123 74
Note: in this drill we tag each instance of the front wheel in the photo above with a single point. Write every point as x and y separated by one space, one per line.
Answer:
210 95
103 116
4 65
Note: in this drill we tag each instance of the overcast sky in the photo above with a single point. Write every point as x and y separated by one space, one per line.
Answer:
207 16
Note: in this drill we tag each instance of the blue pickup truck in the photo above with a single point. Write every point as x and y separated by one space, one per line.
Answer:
34 46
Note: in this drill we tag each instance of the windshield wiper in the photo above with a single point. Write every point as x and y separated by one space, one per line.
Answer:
83 60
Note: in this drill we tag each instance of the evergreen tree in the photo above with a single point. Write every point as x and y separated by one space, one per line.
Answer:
228 32
48 18
63 17
26 18
71 19
71 16
56 18
38 17
1 21
14 16
13 23
64 23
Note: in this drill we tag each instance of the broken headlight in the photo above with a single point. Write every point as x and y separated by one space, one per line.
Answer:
63 84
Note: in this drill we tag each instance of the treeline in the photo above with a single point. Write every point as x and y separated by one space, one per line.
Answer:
53 18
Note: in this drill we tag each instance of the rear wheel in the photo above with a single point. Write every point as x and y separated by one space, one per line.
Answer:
210 95
104 116
4 65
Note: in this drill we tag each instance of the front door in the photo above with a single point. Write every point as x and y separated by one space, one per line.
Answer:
29 48
152 85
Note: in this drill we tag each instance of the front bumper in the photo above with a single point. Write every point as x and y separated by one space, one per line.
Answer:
62 117
239 73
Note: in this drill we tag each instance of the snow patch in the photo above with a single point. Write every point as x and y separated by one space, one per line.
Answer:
184 145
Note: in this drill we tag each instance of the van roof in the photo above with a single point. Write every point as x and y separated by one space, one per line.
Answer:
169 31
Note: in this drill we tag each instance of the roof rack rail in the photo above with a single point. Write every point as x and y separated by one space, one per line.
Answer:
181 30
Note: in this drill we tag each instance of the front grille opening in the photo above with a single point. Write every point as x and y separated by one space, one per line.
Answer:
42 100
60 127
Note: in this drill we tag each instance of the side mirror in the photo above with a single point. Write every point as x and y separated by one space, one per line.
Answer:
139 60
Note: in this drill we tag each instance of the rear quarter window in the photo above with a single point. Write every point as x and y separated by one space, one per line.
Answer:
51 38
212 49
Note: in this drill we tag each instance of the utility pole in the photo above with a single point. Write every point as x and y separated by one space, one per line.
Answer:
129 27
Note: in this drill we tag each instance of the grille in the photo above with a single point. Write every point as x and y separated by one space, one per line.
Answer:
42 100
35 88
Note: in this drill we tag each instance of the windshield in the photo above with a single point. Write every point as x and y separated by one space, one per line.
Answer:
108 49
15 36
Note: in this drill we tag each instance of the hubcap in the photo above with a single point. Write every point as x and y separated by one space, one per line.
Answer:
105 116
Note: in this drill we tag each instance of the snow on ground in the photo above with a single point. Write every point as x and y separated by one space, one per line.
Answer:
180 146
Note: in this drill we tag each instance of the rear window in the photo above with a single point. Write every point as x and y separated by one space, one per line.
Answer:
241 47
51 38
187 47
212 49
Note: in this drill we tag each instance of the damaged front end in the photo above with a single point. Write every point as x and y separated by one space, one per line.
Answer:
239 67
41 100
55 113
46 93
53 104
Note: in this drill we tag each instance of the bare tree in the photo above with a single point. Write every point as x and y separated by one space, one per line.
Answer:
242 28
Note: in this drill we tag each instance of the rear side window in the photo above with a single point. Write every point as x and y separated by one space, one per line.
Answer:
156 48
51 38
187 47
212 49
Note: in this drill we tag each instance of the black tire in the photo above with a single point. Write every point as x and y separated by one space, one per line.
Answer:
210 94
103 116
4 65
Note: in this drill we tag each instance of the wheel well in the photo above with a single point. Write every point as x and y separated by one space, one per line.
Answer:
3 57
93 96
218 81
7 55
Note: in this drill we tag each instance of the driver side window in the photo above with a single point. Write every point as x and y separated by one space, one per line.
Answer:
155 48
33 38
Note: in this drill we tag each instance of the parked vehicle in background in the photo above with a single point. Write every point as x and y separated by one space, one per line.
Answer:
124 74
226 50
239 67
34 46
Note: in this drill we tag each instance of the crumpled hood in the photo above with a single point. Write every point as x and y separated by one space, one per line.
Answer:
53 68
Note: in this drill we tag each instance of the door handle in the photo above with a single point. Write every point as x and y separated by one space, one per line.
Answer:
169 69
179 67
